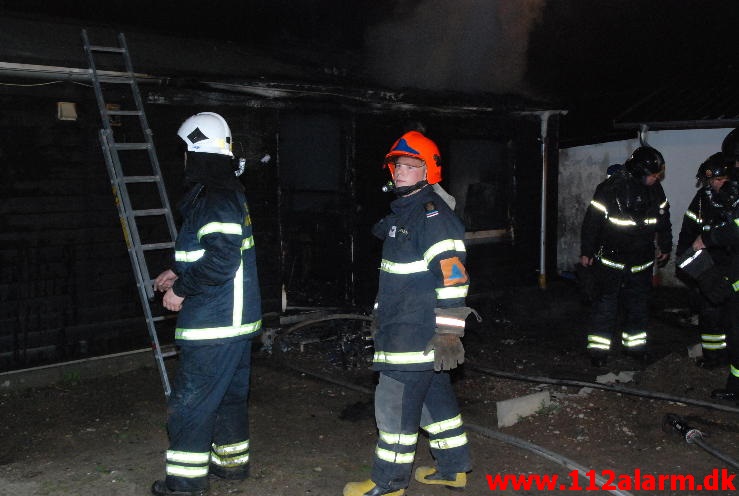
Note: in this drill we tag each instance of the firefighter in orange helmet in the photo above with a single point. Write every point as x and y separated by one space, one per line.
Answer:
421 316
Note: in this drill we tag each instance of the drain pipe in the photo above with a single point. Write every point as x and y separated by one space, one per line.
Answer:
489 433
544 119
607 387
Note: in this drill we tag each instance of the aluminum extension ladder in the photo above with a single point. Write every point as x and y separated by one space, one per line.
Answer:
134 187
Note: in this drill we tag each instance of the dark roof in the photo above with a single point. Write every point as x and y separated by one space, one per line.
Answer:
709 102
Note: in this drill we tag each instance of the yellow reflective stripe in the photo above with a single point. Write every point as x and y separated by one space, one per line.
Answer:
187 457
620 266
599 339
403 268
393 457
632 340
689 214
639 268
664 204
403 358
217 332
599 206
187 472
449 442
444 425
226 449
247 243
735 286
453 292
734 371
713 337
650 220
233 461
238 306
713 346
611 263
188 256
403 439
219 227
621 222
449 321
736 221
442 246
598 342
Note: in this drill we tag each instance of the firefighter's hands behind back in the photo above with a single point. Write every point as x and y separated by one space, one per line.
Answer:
171 301
448 351
165 280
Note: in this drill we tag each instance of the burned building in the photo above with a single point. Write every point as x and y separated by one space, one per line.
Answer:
313 138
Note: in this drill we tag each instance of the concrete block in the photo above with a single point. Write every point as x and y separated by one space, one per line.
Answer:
695 351
511 411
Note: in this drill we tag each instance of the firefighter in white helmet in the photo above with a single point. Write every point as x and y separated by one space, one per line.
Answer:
421 315
215 289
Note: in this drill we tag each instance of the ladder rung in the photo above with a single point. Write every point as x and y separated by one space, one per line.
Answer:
169 353
124 112
163 317
141 179
157 246
150 211
132 146
99 48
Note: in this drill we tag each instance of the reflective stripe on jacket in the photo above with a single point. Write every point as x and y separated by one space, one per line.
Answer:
216 267
422 268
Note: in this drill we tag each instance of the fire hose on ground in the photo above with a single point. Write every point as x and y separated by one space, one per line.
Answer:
489 433
694 436
607 387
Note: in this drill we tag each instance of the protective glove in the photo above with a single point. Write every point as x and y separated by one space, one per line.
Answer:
451 320
714 286
448 351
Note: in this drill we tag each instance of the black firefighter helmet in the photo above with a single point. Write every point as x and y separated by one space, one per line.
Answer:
645 161
717 165
730 145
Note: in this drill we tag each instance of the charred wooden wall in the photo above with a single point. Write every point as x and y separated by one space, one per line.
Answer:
67 289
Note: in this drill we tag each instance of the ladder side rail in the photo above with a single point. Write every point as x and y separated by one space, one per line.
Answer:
149 138
125 210
142 280
96 82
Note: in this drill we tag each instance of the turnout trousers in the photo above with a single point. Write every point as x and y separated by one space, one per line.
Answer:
208 423
714 324
405 401
732 382
631 290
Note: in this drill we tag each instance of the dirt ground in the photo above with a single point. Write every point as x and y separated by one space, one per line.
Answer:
107 436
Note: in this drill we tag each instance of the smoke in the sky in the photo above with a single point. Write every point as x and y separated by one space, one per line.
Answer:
458 45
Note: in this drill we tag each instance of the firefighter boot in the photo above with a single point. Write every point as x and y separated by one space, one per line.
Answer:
368 488
229 473
429 475
159 488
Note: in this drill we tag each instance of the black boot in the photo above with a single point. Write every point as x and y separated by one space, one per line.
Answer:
159 488
239 473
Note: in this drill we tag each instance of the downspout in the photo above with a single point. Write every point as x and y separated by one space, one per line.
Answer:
544 116
544 119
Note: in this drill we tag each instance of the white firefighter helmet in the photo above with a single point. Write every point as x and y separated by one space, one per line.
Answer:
206 132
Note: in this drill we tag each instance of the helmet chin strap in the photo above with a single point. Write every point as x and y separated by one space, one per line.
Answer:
407 190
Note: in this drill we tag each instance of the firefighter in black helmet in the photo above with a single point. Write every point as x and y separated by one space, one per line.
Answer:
704 212
726 234
626 217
